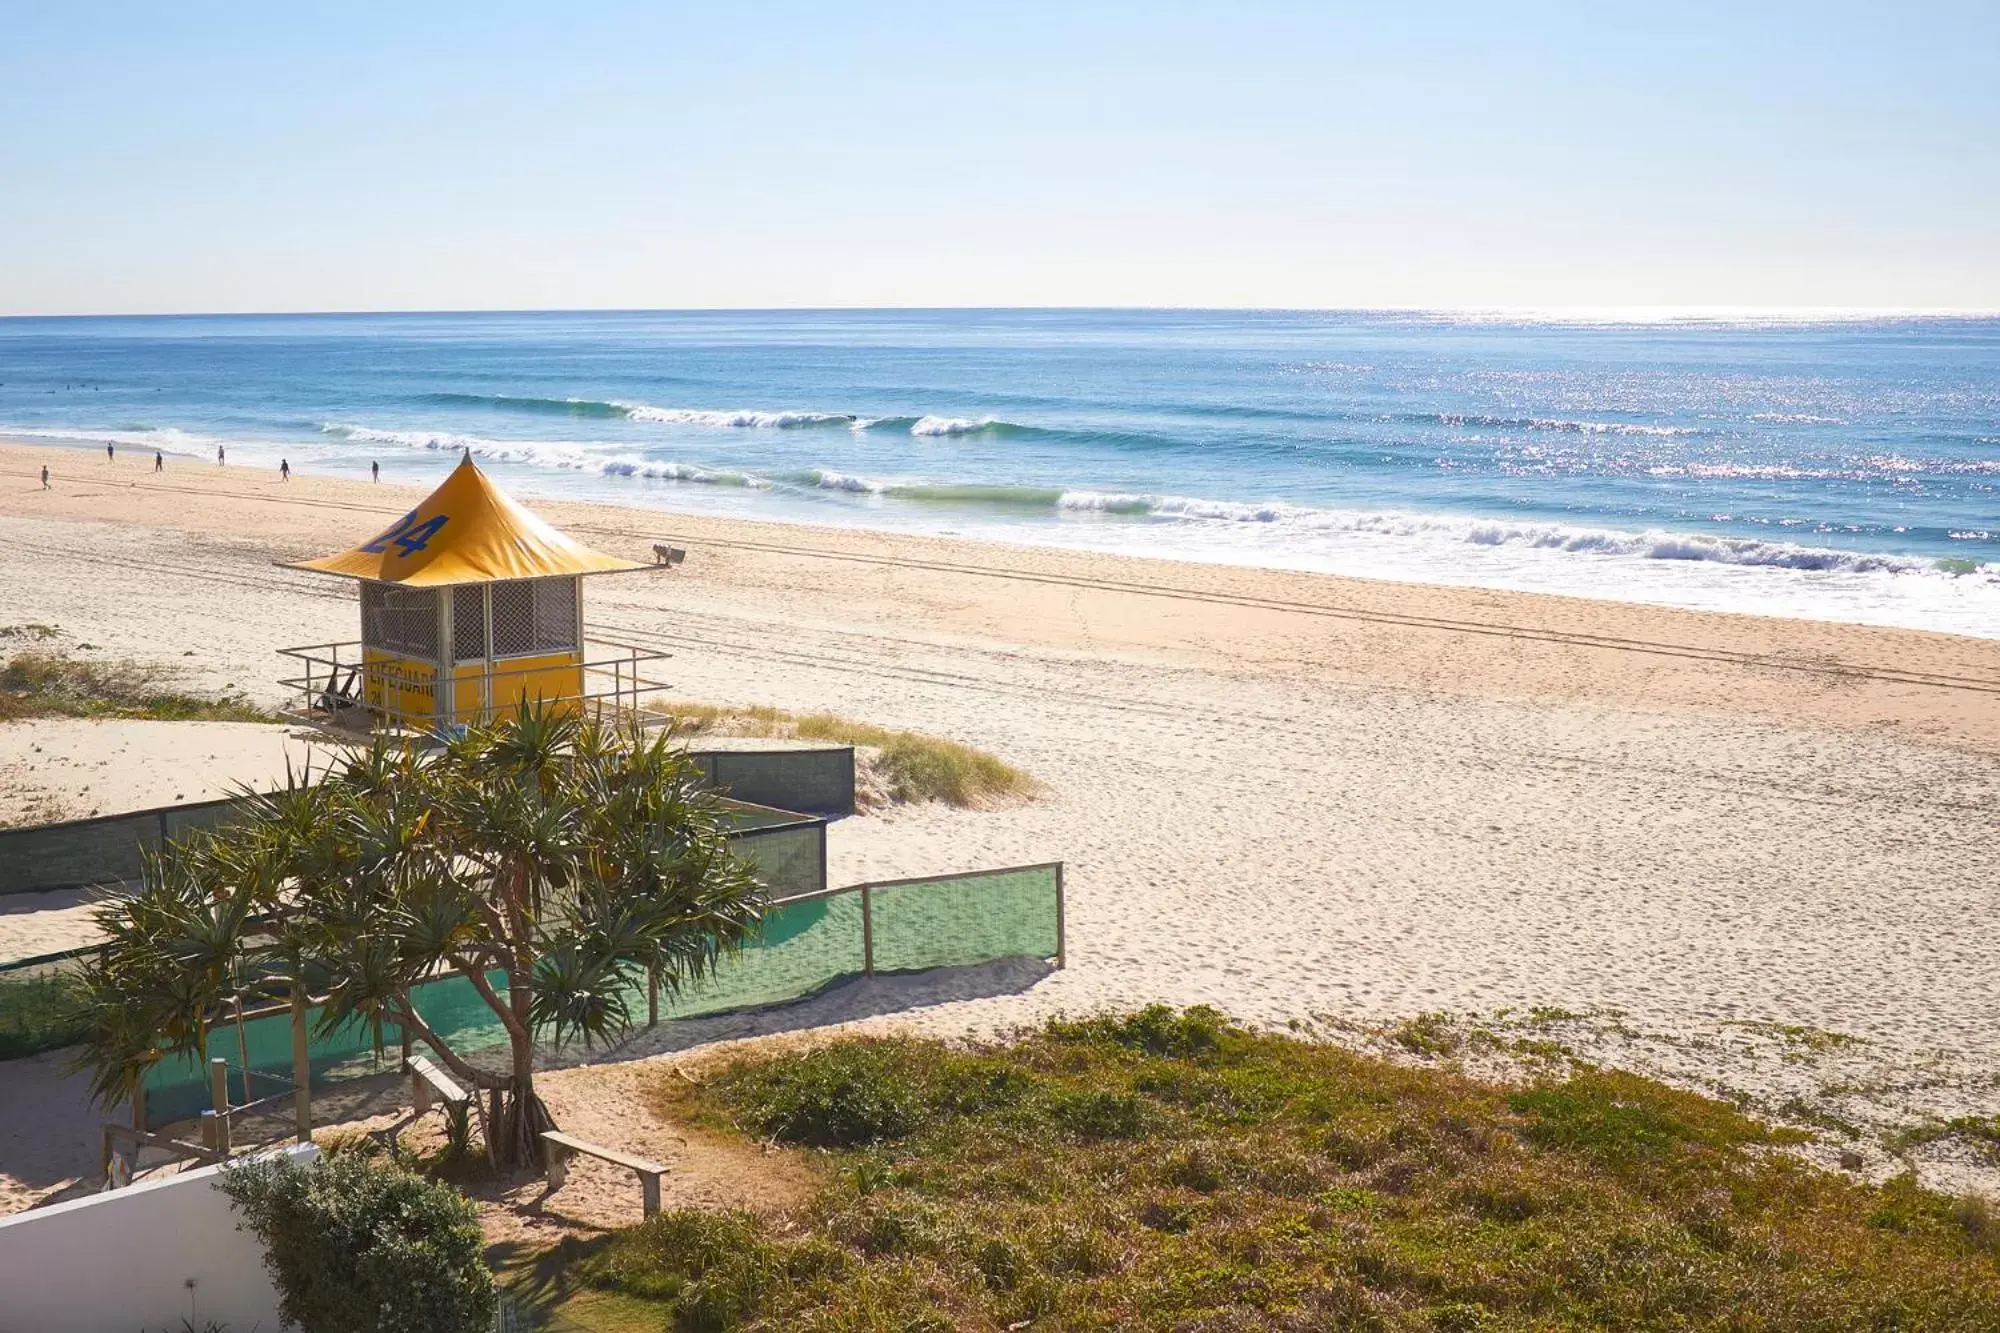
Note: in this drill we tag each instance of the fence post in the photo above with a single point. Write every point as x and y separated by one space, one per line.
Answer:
1062 923
218 1091
867 932
301 1066
652 997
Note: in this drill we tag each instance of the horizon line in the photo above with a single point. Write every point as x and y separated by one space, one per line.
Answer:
1636 313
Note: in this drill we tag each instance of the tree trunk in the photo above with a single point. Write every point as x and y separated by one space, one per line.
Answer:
522 1117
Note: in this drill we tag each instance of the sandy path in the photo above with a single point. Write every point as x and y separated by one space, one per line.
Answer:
1283 794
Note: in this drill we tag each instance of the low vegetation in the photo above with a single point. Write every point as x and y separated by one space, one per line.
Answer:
908 765
356 1244
1166 1170
42 683
38 1014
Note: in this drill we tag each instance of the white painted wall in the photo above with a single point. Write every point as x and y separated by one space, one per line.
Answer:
121 1262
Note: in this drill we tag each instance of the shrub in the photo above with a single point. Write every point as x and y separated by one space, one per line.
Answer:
359 1246
1196 1033
841 1097
865 1092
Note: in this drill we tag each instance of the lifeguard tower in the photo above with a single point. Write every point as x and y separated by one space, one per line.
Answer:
469 605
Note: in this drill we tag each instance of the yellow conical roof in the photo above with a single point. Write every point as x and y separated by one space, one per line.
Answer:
467 531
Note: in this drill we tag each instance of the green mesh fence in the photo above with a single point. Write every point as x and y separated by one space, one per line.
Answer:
956 919
804 946
787 859
108 850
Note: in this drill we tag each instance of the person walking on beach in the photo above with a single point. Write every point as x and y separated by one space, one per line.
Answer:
218 455
110 453
159 461
374 470
45 476
284 469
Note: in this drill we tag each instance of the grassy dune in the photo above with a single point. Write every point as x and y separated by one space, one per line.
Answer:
1167 1171
911 766
41 683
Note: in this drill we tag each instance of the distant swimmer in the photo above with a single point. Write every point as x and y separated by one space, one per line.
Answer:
375 470
284 469
110 453
159 461
45 476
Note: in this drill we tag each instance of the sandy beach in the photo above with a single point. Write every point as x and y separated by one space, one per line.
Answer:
1286 795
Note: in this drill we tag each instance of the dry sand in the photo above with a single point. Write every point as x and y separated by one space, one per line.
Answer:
1283 794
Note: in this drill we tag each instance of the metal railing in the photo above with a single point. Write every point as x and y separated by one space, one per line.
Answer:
615 680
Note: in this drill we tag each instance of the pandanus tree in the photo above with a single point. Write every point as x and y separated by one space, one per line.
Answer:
556 864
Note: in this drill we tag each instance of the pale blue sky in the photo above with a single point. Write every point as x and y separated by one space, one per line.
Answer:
238 157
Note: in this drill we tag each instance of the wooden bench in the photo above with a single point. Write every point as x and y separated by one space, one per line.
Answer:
430 1085
561 1147
120 1146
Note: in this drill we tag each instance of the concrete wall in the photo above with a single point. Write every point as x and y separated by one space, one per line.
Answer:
121 1262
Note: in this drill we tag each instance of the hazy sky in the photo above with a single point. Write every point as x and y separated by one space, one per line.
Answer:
418 155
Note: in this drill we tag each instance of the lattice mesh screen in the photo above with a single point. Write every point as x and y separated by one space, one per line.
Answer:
468 622
513 618
555 614
402 620
533 616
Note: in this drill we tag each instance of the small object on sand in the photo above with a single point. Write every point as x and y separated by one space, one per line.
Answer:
667 555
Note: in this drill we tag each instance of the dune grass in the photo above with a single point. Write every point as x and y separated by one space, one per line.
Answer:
911 765
37 1014
41 683
1168 1171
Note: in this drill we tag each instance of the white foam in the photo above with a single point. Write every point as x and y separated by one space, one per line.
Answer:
738 419
929 425
829 480
168 438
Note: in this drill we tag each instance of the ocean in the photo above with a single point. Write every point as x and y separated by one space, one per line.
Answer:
1839 468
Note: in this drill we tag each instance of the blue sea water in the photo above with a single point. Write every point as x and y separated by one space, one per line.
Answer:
1844 468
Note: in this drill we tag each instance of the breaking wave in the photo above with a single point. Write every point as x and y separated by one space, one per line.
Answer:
618 409
1647 545
689 416
966 493
555 455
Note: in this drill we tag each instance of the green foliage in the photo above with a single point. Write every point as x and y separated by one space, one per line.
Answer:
565 856
39 1014
38 683
1167 1170
359 1246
